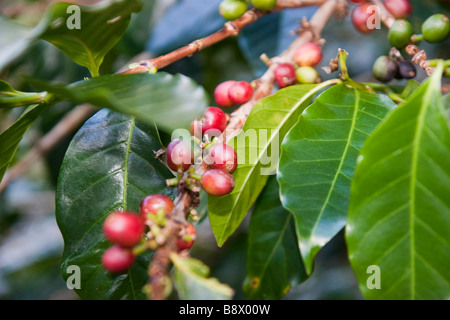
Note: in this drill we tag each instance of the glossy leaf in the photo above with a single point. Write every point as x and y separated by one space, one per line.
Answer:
274 263
11 137
318 160
399 217
191 278
257 148
110 165
100 28
172 101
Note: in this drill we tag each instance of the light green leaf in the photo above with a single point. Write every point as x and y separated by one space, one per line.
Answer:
11 137
191 278
399 217
258 148
318 159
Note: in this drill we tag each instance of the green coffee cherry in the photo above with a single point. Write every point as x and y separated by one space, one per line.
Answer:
232 9
307 75
264 5
436 28
385 69
400 33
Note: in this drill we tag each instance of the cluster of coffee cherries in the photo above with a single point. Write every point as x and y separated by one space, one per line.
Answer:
434 29
126 230
306 57
234 9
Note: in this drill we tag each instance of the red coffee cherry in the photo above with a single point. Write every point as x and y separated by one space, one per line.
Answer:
123 228
358 1
285 75
217 182
183 244
179 155
360 17
223 157
214 118
240 92
400 9
151 204
308 54
117 259
221 94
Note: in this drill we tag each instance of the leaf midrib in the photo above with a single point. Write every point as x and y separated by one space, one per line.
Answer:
344 154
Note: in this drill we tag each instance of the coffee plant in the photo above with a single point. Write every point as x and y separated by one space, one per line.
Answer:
296 155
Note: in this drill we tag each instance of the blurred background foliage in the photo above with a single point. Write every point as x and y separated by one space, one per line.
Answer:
30 241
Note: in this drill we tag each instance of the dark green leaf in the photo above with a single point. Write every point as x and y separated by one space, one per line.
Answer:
192 282
110 165
172 101
399 217
318 160
101 27
257 148
274 263
11 137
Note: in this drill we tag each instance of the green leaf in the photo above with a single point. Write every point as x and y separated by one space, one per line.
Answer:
257 148
101 27
11 137
411 87
399 217
274 263
318 160
192 282
110 165
172 101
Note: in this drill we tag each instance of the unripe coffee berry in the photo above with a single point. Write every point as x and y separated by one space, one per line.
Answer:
436 28
400 9
400 33
385 69
117 259
214 119
179 155
360 15
217 182
264 5
232 9
154 203
223 156
307 75
285 75
221 94
187 240
124 228
240 92
308 54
